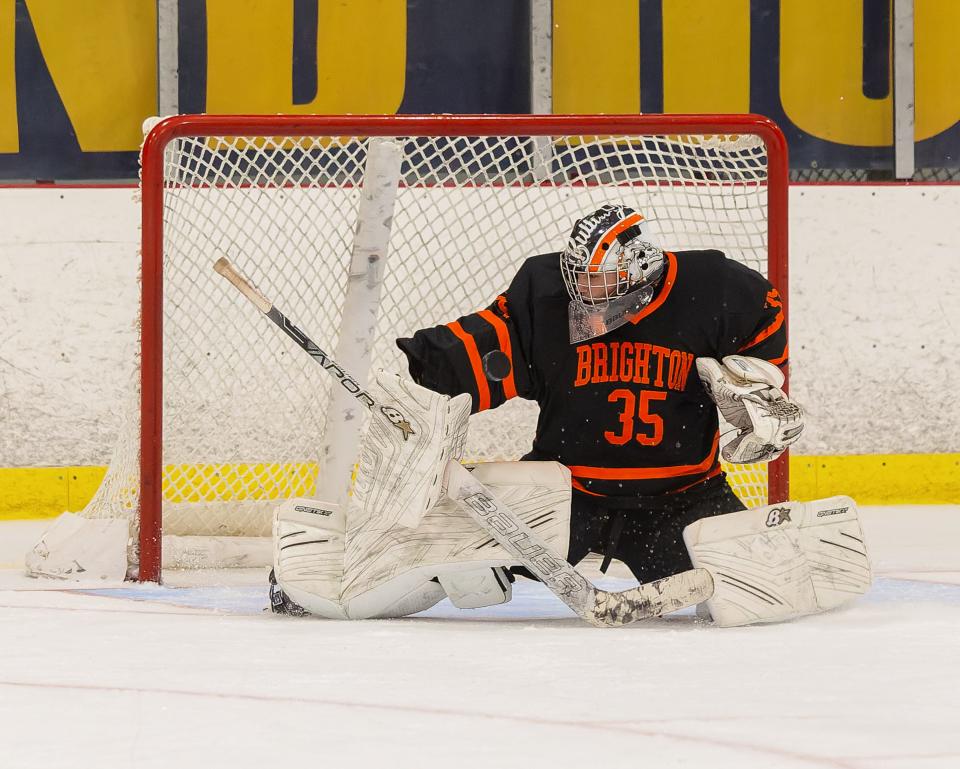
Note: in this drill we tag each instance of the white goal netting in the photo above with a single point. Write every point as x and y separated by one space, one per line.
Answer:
244 409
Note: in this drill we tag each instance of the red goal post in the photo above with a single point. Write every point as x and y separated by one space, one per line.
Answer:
467 140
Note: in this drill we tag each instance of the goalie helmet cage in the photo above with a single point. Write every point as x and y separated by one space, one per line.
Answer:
478 194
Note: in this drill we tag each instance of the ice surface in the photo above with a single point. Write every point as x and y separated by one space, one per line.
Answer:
151 676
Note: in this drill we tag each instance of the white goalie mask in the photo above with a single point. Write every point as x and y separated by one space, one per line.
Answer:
611 266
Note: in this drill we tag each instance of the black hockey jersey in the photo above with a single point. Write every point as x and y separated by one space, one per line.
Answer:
626 412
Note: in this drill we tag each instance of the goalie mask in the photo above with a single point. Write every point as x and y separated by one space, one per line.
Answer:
611 266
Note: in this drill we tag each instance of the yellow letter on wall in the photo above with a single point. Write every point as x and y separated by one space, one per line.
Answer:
936 23
361 56
706 56
821 74
596 56
102 56
9 139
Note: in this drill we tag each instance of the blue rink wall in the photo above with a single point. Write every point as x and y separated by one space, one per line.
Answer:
875 330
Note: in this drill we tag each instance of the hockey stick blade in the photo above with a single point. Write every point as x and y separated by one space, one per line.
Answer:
598 607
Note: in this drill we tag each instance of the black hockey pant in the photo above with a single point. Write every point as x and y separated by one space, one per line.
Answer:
649 537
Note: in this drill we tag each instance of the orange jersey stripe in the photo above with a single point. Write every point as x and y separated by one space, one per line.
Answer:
773 300
664 292
714 472
603 245
503 339
580 487
782 358
647 473
768 331
473 354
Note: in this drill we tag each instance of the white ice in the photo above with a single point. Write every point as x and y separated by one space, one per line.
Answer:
147 676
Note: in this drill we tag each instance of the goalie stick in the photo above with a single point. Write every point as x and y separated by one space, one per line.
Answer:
601 608
598 607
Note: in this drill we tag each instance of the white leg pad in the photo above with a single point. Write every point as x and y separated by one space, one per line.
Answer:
308 540
408 593
781 561
539 492
372 572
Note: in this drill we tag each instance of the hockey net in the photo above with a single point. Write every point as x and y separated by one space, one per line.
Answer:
227 414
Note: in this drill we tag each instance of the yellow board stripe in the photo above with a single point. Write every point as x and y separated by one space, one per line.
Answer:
44 492
878 479
871 479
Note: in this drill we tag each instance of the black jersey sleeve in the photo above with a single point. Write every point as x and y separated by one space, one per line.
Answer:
463 356
753 320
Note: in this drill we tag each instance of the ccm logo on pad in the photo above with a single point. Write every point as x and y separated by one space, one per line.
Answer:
313 510
835 511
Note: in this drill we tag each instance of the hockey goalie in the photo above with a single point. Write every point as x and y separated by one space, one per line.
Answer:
630 352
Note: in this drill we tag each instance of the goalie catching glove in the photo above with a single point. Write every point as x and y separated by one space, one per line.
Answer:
747 393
